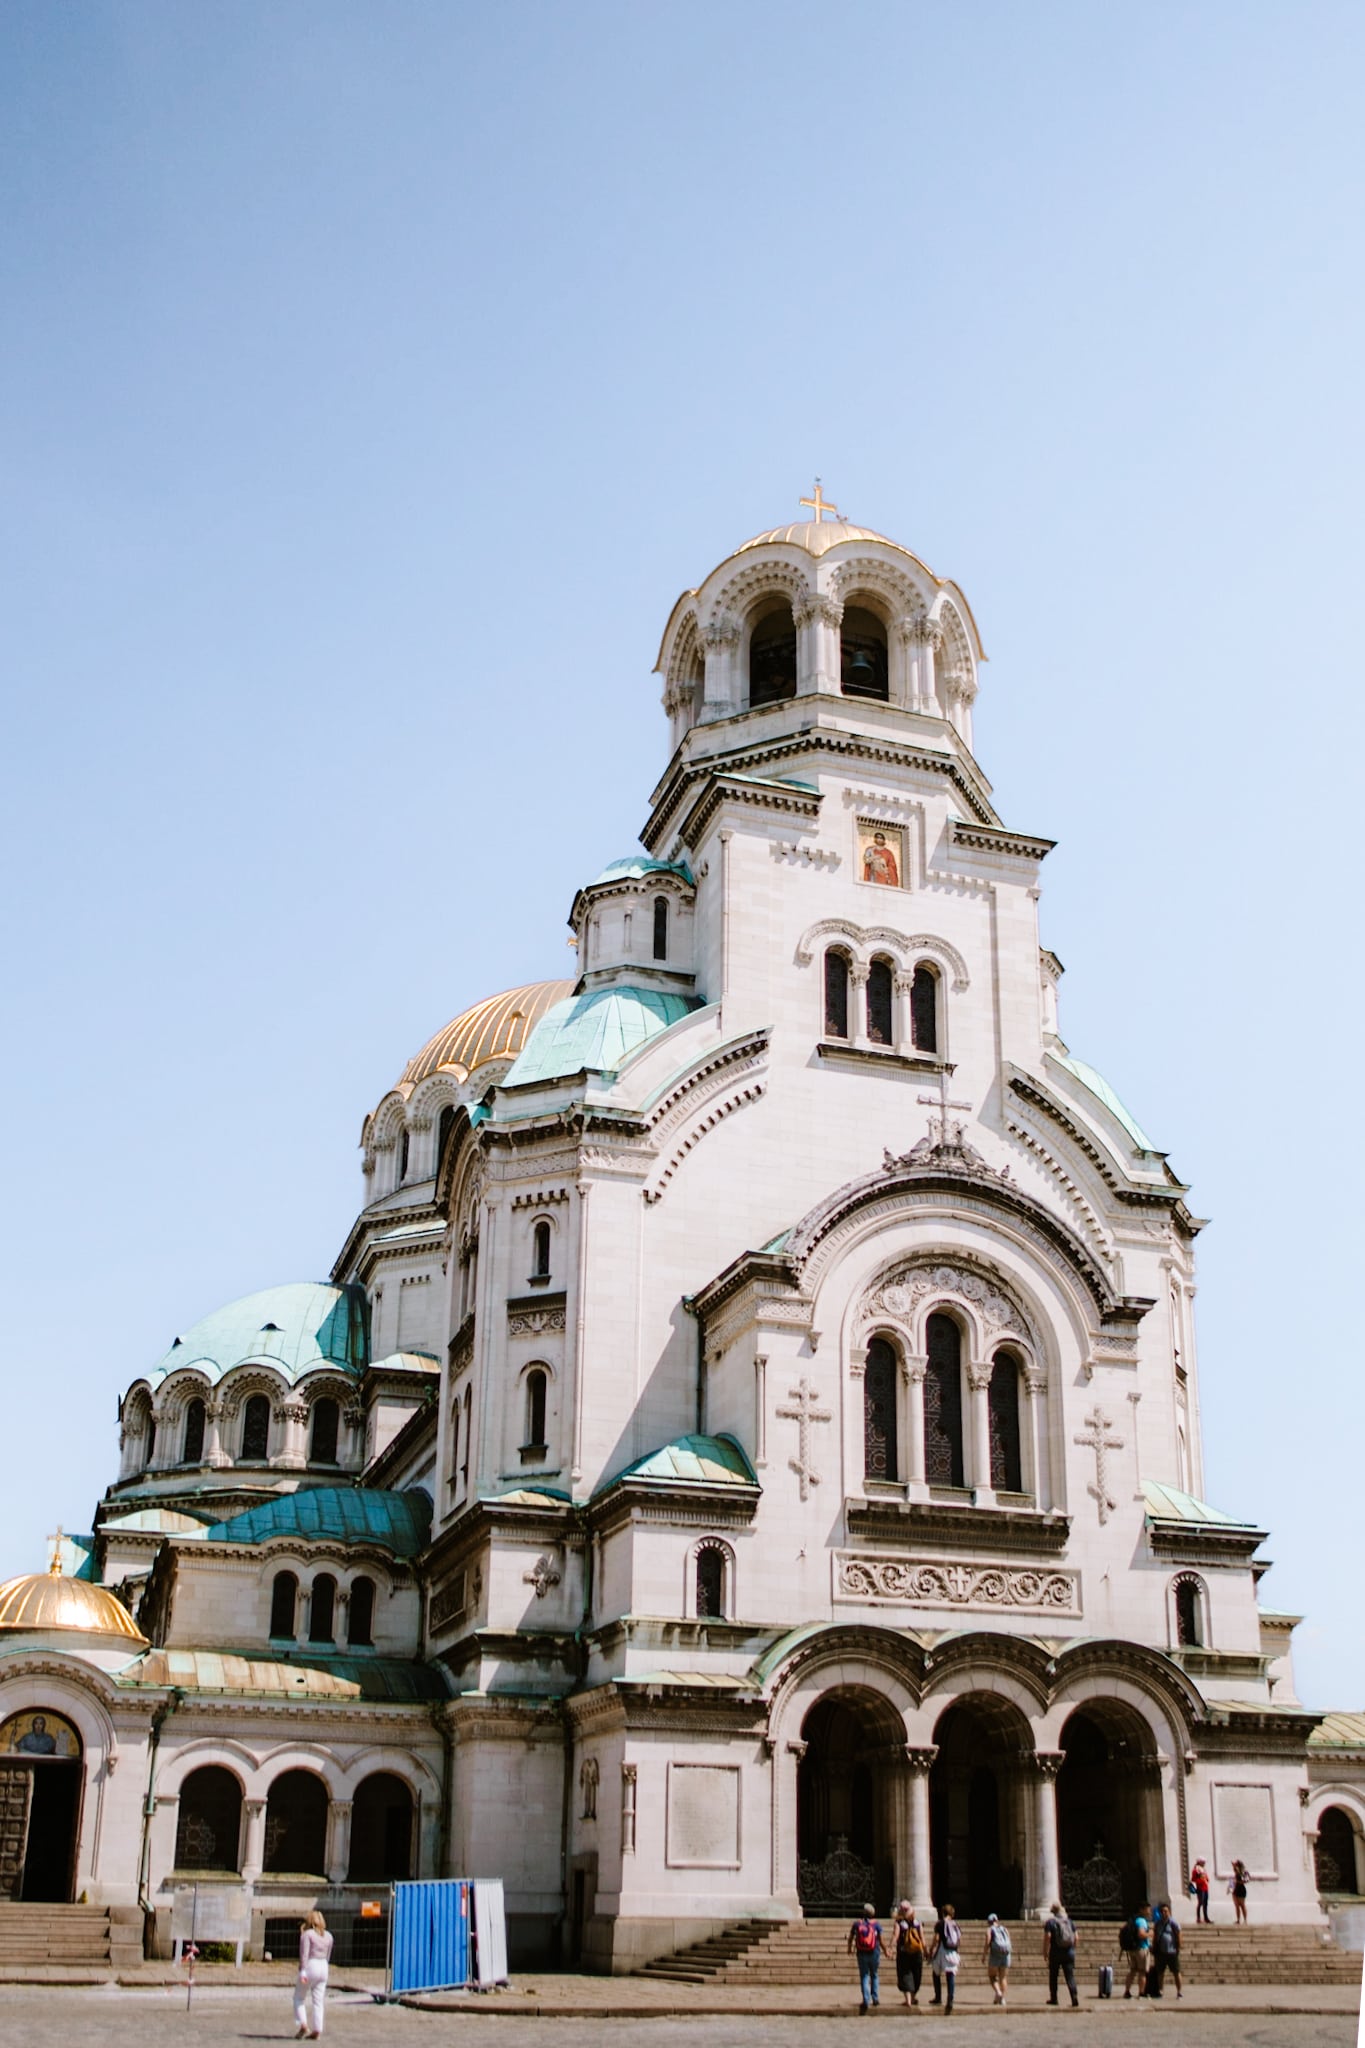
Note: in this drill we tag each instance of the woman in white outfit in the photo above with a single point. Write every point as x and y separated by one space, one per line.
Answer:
310 1991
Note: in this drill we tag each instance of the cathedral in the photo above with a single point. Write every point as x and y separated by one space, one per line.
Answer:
746 1457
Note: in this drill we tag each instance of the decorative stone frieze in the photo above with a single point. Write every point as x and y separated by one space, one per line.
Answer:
930 1582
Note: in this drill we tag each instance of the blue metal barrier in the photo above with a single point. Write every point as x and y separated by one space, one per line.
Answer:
429 1936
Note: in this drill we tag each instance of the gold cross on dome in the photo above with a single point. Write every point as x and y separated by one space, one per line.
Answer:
55 1561
819 506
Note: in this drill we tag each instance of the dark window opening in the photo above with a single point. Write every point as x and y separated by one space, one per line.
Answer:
540 1251
924 1010
836 996
296 1824
381 1831
660 927
710 1584
321 1609
404 1146
943 1464
1002 1399
283 1602
326 1426
445 1125
1188 1632
208 1826
535 1411
879 1411
360 1613
193 1448
256 1427
863 670
1334 1854
880 996
151 1438
772 658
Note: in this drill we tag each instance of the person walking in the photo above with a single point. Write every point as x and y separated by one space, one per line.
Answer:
866 1942
909 1953
1059 1952
310 1990
1136 1942
1199 1886
1238 1888
947 1954
1165 1952
996 1956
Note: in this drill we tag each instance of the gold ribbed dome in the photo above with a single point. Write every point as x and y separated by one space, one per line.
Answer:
47 1600
829 533
495 1029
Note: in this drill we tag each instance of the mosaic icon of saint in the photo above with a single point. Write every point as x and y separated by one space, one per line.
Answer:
880 863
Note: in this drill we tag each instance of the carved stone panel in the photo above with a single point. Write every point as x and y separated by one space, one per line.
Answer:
930 1582
703 1816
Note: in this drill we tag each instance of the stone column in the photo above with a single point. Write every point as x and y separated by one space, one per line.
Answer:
914 1367
161 1848
786 1766
338 1840
294 1454
818 618
629 1780
1033 1390
353 1453
979 1448
918 1872
931 640
253 1843
905 1019
720 646
1047 1873
857 1004
214 1454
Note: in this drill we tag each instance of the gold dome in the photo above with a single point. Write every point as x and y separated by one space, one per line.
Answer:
42 1600
495 1029
829 533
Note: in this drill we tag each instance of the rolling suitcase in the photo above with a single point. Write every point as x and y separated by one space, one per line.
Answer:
1106 1980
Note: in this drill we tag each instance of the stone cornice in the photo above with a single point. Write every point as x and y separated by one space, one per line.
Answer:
684 1504
1134 1194
996 839
1200 1543
752 793
1020 1532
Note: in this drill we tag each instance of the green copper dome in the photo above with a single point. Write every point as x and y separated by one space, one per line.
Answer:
292 1328
596 1032
399 1522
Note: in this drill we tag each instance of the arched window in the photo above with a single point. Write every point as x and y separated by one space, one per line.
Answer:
536 1385
296 1824
836 995
1188 1593
284 1595
943 1403
772 656
1335 1854
151 1438
404 1148
322 1449
322 1608
360 1613
880 1026
862 654
192 1450
710 1582
924 1009
208 1825
444 1126
879 1411
540 1251
381 1830
660 927
256 1427
1002 1402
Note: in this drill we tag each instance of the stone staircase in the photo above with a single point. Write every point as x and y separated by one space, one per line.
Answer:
762 1953
105 1938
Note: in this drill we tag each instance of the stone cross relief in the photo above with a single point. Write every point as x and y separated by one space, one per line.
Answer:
941 1132
1098 1441
542 1576
803 1415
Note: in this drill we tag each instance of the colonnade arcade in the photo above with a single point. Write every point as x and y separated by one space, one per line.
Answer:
979 1793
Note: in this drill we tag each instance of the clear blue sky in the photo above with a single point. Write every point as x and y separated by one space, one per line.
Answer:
375 377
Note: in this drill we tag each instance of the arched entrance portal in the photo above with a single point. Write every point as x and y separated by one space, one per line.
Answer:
854 1741
1110 1833
978 1807
40 1807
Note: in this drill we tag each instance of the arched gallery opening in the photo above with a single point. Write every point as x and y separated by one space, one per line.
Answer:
1337 1855
208 1828
1110 1832
843 1814
41 1779
979 1791
296 1825
381 1830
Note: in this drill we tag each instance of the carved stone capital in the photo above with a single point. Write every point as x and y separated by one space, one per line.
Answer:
1047 1762
979 1375
818 604
914 1368
912 628
723 631
921 1758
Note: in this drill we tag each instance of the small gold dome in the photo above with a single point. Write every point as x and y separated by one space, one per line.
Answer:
495 1029
42 1600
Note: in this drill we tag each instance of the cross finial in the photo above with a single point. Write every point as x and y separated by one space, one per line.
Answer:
819 506
57 1539
939 1127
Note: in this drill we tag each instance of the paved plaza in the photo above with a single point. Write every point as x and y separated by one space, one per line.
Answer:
56 2016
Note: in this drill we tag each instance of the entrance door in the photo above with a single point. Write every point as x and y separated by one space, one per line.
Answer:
977 1809
1109 1828
40 1801
843 1824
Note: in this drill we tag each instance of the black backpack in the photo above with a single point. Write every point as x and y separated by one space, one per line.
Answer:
1128 1937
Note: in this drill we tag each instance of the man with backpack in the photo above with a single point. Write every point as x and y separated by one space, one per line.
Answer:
1059 1952
996 1956
865 1941
1135 1939
947 1953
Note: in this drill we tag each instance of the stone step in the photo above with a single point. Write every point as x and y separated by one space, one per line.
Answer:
81 1936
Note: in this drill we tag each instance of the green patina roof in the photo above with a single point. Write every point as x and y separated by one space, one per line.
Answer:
1098 1086
1169 1504
294 1328
640 864
1339 1731
693 1461
400 1522
319 1678
597 1031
